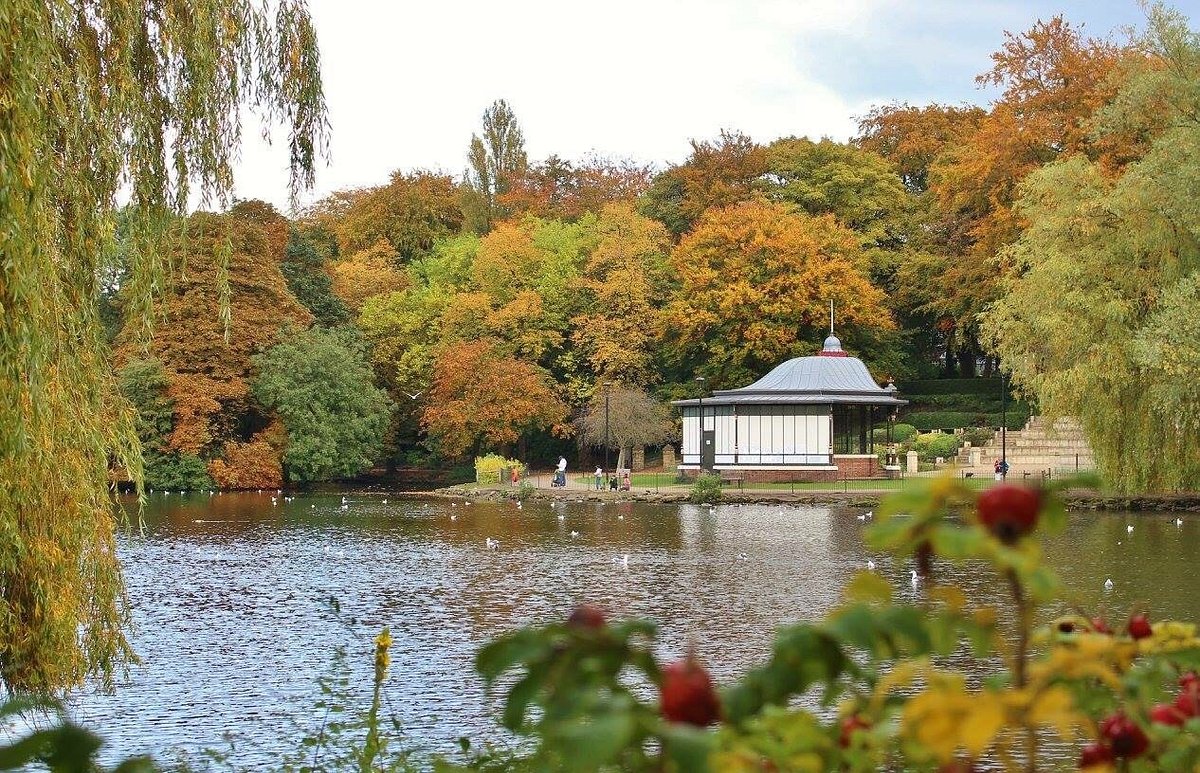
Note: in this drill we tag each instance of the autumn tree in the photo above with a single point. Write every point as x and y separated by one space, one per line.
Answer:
716 174
411 213
1098 319
319 384
627 280
480 399
914 137
366 273
95 100
227 304
624 417
496 160
755 282
561 189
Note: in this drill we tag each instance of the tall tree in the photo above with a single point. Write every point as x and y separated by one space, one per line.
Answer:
627 280
716 174
1098 317
96 99
496 161
755 282
308 279
318 383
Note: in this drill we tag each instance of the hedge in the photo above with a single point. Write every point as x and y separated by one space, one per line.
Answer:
929 420
947 386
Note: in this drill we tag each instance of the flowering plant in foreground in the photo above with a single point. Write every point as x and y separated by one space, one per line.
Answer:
1102 695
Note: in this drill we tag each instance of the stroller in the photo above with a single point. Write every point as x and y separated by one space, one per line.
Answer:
560 479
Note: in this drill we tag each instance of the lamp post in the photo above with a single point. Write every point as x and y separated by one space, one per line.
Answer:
1003 427
607 386
700 446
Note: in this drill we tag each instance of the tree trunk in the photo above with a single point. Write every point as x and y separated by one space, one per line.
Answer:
621 458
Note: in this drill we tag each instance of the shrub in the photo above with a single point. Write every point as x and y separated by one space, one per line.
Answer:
935 444
977 436
253 465
175 472
706 489
901 433
488 468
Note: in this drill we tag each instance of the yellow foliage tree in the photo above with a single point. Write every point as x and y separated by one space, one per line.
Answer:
756 280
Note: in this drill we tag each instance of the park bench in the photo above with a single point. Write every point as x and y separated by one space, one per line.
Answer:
728 476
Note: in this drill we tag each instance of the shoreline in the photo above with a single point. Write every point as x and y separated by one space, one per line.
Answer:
1074 499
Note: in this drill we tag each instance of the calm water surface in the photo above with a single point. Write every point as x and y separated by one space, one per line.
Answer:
231 598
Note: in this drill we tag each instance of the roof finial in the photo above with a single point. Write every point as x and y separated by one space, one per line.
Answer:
830 316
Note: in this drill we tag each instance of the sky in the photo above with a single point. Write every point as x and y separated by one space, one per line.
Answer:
407 82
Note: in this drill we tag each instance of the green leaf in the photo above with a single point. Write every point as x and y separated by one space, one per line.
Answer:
502 654
687 748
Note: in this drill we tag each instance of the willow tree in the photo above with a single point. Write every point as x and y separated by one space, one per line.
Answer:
129 98
1100 322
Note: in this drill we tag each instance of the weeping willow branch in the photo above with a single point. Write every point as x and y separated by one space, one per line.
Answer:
140 98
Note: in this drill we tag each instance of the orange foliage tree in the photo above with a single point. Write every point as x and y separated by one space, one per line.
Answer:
480 398
715 175
562 189
756 280
252 465
228 259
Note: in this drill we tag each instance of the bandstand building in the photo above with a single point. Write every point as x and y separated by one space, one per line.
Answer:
811 418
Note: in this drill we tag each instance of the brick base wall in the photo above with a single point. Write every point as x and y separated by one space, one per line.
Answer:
847 467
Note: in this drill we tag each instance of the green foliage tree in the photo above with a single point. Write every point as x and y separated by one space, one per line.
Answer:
95 99
496 161
319 384
303 269
1106 276
144 383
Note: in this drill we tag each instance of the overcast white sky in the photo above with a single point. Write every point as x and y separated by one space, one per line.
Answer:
407 81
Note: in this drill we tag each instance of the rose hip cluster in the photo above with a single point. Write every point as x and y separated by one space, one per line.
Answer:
1121 738
686 693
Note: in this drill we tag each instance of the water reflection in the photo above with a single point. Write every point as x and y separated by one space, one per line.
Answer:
231 598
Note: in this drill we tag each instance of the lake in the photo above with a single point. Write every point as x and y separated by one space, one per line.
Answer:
231 596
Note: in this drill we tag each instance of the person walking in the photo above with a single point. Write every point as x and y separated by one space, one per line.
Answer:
560 473
599 479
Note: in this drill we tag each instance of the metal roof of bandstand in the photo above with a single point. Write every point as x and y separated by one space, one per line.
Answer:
829 377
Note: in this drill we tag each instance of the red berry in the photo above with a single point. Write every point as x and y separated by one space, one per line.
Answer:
851 725
586 616
1166 714
687 694
1139 626
1125 737
1099 626
1188 702
1095 754
1009 511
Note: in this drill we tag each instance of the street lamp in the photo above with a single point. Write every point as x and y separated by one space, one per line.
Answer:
1003 427
607 386
700 446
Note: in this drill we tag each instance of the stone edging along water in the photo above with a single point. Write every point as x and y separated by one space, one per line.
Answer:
1075 500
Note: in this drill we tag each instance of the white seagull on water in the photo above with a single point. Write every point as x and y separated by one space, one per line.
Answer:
1108 584
492 544
870 564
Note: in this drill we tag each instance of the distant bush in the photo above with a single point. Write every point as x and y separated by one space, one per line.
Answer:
977 436
488 468
901 433
175 472
252 465
706 489
927 420
933 445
